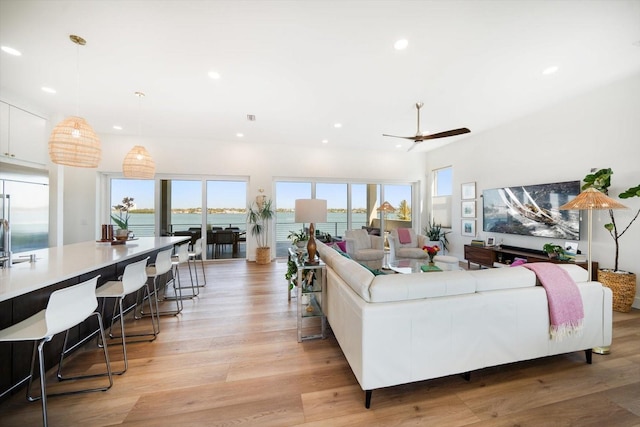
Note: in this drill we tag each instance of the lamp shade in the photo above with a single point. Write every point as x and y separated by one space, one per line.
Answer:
138 164
74 143
592 199
311 210
386 207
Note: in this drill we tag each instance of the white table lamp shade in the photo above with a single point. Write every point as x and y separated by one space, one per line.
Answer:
311 211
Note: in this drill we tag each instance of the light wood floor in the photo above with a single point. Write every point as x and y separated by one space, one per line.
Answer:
232 359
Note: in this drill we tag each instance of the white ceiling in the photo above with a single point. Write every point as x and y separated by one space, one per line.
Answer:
301 66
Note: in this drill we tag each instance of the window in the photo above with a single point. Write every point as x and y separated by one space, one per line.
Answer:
142 216
441 197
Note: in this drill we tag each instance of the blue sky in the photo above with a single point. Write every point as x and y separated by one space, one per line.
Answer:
232 194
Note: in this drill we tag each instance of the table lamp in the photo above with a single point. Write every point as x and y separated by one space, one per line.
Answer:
385 208
311 211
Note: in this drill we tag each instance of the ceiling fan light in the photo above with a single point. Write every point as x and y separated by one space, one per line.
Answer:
74 143
138 163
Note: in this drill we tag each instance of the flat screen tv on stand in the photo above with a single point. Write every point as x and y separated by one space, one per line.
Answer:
532 210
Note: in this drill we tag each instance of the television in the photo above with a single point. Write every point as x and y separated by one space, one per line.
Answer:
532 210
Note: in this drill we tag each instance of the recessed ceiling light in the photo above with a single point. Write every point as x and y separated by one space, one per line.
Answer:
48 89
11 51
325 141
214 75
398 145
117 127
337 125
401 44
550 70
239 135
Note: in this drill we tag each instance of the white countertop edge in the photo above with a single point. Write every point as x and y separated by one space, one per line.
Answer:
57 264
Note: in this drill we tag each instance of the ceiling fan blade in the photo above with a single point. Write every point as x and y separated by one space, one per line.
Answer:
414 145
413 138
444 134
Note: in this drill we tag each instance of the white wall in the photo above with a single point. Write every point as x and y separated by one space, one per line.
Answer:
599 129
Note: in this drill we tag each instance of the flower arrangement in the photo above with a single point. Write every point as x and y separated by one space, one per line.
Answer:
125 207
431 251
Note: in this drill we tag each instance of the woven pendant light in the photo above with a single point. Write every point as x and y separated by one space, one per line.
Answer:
138 164
73 142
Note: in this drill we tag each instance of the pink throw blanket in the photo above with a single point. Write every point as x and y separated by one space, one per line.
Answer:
566 313
404 236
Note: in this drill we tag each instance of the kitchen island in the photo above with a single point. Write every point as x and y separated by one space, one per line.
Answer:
26 286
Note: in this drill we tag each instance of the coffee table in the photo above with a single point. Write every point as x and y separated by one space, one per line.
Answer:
412 265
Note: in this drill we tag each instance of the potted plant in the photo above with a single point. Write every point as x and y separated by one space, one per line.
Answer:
123 221
553 250
298 238
622 283
259 216
436 234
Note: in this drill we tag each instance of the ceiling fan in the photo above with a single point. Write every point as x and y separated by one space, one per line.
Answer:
419 137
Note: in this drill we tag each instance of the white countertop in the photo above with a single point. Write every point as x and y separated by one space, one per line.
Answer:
54 265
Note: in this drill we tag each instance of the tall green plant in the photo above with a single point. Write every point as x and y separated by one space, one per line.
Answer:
259 217
435 233
601 180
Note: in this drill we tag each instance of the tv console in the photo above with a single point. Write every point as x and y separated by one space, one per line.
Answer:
492 256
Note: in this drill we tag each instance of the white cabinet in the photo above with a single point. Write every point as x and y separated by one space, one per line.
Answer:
22 135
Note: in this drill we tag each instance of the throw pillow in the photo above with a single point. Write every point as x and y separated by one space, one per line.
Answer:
342 245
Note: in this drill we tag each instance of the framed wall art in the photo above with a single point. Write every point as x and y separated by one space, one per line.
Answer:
468 190
468 209
468 227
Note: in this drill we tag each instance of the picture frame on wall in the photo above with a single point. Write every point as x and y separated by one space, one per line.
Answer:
468 209
468 190
468 227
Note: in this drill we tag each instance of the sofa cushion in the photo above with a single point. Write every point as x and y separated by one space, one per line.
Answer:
400 287
577 273
411 253
491 279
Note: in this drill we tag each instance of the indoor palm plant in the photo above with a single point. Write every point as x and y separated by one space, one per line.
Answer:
259 216
622 283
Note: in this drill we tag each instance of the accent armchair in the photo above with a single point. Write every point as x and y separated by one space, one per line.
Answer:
410 246
365 248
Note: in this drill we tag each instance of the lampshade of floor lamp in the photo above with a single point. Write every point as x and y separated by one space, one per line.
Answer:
311 211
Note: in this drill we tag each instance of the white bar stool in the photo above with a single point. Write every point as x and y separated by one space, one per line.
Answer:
66 308
198 249
161 268
181 257
133 280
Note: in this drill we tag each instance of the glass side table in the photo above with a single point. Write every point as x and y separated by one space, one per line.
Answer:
310 288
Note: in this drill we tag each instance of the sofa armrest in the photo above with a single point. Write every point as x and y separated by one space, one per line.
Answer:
422 240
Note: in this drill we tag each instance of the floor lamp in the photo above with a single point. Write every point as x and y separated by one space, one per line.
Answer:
592 199
311 211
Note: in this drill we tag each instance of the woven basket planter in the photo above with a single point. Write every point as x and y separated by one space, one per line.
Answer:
623 287
263 255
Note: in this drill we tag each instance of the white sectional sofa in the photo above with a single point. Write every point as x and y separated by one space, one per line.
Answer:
400 328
